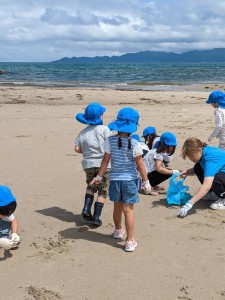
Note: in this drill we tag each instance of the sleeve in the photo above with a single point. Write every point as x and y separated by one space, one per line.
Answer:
218 124
158 156
107 133
9 218
137 151
106 146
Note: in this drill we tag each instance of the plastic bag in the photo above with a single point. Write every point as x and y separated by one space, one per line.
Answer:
177 192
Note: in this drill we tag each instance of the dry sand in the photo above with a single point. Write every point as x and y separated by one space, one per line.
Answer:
60 256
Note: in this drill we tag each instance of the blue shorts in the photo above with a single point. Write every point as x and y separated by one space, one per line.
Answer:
125 191
4 228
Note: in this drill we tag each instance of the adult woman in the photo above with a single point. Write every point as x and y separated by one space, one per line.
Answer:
210 170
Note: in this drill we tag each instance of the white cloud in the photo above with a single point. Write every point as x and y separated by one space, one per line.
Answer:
46 30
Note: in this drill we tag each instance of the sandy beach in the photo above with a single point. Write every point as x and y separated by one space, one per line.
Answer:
61 256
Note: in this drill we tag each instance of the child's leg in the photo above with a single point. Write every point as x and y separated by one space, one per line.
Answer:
155 178
117 214
128 210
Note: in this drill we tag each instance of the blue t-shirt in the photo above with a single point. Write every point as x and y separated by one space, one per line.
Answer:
212 161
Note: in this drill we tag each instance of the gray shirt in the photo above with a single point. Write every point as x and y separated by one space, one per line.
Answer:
90 140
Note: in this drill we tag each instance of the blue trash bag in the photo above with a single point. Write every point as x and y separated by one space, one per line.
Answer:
177 192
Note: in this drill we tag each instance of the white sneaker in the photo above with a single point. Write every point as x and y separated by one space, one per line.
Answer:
118 233
219 204
130 245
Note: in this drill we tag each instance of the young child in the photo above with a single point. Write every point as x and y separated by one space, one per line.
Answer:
126 156
8 224
210 169
155 163
217 100
150 136
89 144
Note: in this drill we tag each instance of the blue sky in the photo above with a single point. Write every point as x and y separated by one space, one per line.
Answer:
45 30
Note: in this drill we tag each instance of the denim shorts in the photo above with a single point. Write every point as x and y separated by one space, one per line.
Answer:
4 228
125 191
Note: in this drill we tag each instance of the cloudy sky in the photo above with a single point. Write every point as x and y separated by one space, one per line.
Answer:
47 30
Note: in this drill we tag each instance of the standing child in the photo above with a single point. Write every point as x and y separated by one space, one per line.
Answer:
217 100
89 144
155 163
8 224
126 156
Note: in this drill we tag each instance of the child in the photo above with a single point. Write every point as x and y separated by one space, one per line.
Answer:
156 166
150 136
126 156
143 145
89 144
8 222
210 170
217 100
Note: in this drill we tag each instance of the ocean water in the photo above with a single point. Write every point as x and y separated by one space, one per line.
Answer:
116 76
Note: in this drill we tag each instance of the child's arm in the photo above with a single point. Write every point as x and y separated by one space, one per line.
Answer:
77 149
218 123
14 226
161 169
141 168
104 165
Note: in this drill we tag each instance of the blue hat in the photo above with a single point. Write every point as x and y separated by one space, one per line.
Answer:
127 121
148 130
136 137
6 196
217 97
168 139
92 115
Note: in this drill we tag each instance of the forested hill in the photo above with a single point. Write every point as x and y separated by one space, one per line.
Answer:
214 55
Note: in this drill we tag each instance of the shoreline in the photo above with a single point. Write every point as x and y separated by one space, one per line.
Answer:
195 87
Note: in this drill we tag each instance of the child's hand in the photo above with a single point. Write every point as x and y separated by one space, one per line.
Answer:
96 180
6 243
148 189
183 174
16 239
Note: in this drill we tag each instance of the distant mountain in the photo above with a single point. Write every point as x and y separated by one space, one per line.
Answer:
214 55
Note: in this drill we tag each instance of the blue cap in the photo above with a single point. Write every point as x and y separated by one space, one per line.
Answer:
92 115
6 196
136 137
217 97
148 130
168 139
127 121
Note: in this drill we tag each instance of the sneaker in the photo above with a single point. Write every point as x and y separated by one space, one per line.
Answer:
118 233
130 245
219 204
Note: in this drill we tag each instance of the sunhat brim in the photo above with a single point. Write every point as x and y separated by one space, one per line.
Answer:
118 126
81 118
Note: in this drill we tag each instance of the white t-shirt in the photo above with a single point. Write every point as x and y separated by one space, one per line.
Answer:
90 140
9 218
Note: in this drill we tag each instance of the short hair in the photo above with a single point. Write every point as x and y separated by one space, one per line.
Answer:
191 146
8 209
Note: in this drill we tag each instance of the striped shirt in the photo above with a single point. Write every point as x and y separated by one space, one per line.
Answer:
123 163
